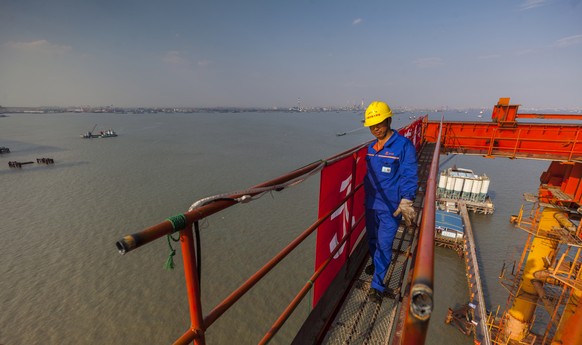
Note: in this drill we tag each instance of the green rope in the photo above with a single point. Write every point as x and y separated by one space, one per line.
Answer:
169 265
178 223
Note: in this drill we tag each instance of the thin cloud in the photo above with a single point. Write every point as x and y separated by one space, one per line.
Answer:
203 63
357 21
525 52
428 62
40 46
174 58
529 4
488 57
569 41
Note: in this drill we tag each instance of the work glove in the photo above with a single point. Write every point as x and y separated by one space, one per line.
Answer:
408 212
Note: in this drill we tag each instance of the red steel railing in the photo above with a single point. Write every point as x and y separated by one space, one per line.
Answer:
199 323
420 305
420 299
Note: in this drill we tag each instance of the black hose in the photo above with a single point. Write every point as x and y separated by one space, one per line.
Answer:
198 253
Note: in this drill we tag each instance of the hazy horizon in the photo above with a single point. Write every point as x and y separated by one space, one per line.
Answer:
417 54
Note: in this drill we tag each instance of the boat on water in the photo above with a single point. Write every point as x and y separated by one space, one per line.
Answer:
110 133
341 311
106 134
89 135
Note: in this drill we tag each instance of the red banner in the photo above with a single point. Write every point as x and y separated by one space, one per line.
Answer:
413 132
337 181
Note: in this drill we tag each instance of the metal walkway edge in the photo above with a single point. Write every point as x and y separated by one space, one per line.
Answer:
361 321
474 279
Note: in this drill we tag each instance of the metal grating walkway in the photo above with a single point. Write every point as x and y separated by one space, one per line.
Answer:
361 321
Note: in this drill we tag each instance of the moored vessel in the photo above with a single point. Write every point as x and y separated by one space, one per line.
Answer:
110 133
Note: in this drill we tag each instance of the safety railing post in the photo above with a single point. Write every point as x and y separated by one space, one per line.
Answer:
192 285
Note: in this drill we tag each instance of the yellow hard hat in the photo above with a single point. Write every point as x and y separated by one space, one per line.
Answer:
377 112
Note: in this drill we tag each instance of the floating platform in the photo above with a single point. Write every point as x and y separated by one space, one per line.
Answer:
485 207
463 184
16 164
46 161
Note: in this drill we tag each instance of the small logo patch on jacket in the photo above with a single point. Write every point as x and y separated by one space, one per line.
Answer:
386 170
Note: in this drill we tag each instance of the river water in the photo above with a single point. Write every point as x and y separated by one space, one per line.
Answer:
62 280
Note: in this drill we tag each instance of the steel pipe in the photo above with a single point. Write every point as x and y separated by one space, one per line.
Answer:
420 306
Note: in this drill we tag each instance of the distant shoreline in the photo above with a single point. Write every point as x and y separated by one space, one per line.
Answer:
190 110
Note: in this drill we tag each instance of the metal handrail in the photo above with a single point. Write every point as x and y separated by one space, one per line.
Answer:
311 282
420 300
196 334
199 324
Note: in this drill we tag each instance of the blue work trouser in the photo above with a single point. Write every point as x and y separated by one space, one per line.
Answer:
381 227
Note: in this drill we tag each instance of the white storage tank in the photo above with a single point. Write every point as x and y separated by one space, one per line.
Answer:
476 190
442 183
484 187
458 186
467 189
450 186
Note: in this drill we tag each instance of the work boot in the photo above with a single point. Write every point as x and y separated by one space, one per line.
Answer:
370 269
375 295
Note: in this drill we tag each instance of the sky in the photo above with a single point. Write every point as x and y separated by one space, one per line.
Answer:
272 53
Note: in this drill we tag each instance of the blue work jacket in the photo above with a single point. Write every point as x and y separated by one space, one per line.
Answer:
392 173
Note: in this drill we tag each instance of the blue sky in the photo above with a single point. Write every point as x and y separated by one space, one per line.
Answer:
415 53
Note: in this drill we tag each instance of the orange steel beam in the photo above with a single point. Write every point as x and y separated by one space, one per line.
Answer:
421 299
505 114
575 117
505 137
560 142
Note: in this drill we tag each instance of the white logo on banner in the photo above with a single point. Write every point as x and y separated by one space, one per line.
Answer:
346 186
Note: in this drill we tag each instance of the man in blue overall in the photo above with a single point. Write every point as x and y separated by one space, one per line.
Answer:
390 185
